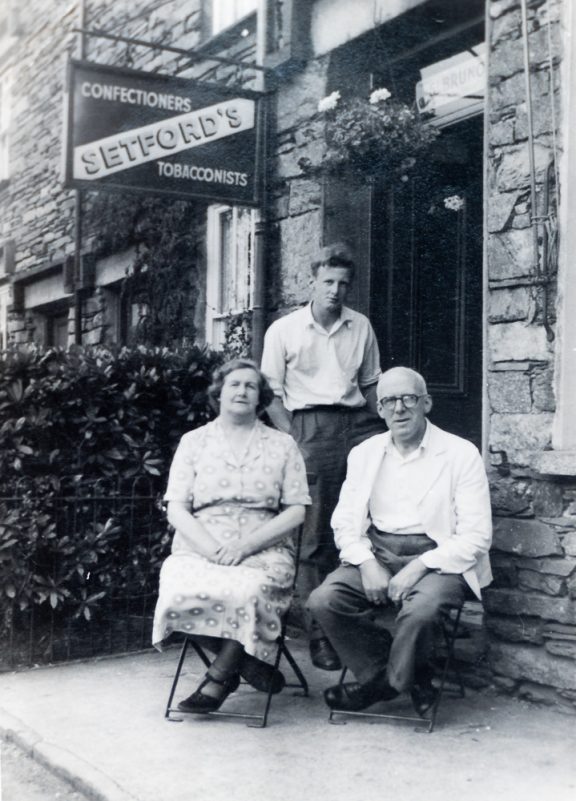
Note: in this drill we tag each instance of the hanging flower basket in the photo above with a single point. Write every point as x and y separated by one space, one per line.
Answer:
370 137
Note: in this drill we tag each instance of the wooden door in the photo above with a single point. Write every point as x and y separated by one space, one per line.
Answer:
426 277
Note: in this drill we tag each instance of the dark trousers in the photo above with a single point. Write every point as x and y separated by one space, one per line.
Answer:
325 435
355 626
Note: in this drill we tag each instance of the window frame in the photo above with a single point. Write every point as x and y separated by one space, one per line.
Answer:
217 26
216 315
5 304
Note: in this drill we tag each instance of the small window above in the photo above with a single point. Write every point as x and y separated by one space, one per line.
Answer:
227 12
5 108
10 26
6 257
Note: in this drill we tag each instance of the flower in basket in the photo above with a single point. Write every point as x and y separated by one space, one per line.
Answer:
329 103
454 203
370 136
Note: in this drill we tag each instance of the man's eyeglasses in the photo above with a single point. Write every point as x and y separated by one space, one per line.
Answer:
409 401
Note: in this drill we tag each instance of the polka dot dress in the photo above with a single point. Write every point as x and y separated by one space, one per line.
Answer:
231 499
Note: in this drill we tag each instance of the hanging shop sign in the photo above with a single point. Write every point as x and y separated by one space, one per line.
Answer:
133 131
453 88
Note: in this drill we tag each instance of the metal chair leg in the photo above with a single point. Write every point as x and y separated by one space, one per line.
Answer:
303 684
175 682
201 653
450 642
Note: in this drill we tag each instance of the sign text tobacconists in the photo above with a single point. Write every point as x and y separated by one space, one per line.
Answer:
132 131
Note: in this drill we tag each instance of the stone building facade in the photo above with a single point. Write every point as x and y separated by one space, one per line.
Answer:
71 255
480 300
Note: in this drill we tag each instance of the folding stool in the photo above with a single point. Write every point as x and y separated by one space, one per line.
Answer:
449 626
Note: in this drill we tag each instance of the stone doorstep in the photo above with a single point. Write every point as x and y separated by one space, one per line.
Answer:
557 631
472 615
562 522
541 694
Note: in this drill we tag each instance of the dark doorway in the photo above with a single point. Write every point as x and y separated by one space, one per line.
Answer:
426 278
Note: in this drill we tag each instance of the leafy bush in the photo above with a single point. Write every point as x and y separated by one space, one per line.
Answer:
94 413
86 440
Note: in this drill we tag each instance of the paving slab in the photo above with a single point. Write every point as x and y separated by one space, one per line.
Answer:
100 723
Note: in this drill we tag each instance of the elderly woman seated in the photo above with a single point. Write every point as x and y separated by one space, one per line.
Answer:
236 491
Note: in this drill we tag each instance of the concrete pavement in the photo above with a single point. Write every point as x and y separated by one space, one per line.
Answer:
100 724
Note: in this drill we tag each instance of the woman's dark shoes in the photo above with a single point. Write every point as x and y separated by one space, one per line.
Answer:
323 656
354 697
201 703
261 676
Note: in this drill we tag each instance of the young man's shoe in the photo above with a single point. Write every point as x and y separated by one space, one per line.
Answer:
323 656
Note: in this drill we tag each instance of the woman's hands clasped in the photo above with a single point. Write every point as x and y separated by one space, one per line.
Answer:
230 553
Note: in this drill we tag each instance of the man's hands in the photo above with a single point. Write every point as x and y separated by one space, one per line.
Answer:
380 586
375 580
401 584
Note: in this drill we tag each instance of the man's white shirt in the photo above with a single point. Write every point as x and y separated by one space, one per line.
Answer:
392 505
309 366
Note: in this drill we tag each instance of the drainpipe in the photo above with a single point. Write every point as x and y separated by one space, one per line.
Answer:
485 444
261 225
78 212
540 267
528 82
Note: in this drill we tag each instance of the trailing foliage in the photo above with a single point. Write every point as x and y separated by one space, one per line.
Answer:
238 336
163 277
86 440
369 137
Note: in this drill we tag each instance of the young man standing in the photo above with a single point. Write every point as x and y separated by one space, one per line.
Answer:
323 363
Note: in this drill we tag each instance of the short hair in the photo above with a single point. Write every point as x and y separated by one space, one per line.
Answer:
418 379
336 255
265 394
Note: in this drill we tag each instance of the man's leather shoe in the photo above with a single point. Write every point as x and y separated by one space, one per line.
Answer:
423 696
323 656
353 696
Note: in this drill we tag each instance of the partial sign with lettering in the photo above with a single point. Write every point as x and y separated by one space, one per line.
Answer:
132 131
455 87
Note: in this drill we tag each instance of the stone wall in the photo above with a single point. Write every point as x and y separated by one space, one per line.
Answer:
531 606
295 200
35 211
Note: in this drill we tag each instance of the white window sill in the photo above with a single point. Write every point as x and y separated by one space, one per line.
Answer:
556 463
228 314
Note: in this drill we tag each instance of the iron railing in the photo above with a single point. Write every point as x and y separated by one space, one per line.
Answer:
78 569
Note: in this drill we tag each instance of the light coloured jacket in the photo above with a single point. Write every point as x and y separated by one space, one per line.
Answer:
454 507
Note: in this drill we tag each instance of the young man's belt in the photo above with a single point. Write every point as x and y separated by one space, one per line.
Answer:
329 407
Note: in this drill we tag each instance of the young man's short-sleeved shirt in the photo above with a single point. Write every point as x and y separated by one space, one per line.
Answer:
309 366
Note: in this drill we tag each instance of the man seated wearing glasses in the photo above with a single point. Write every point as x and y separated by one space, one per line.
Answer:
413 526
